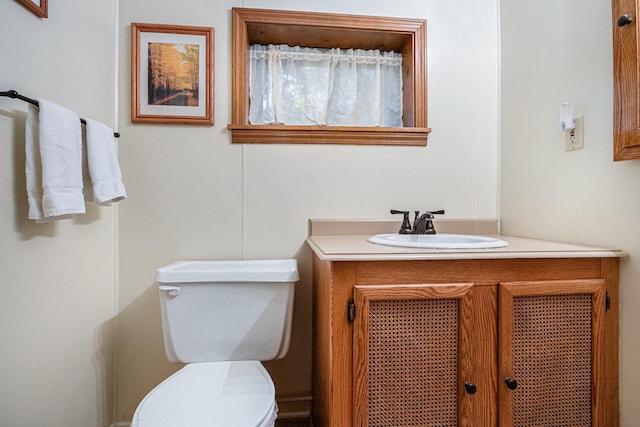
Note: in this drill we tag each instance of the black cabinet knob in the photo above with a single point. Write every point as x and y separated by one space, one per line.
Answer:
470 387
511 383
624 20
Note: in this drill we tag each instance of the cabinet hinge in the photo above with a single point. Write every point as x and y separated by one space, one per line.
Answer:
607 301
351 310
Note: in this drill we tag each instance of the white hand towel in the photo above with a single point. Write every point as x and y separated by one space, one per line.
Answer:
33 167
105 185
61 158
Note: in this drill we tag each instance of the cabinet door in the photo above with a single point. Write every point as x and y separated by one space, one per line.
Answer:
550 353
626 72
410 365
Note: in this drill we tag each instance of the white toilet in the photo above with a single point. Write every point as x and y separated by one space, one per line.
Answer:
221 318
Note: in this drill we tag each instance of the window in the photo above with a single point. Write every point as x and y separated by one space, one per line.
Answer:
327 31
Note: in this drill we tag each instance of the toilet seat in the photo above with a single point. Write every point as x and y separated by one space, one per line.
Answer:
212 394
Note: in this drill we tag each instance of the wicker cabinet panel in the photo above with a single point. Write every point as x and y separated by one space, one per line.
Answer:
407 357
550 346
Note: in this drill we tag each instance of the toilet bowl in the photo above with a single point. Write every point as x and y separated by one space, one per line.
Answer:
229 394
221 318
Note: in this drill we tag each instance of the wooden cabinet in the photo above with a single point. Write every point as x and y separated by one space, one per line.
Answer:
515 342
626 74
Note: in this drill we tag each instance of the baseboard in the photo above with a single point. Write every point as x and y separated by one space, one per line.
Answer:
293 407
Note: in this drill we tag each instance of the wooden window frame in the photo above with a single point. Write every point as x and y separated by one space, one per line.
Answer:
325 30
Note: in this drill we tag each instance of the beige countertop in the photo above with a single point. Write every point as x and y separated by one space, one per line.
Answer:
328 245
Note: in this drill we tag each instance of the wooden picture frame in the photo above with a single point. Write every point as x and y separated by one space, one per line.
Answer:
37 7
172 73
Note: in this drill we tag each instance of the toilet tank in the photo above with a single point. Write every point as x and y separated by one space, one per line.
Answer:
226 310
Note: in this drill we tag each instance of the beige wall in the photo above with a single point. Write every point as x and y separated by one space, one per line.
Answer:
193 195
554 52
57 281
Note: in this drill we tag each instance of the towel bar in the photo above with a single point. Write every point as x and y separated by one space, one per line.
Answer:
14 94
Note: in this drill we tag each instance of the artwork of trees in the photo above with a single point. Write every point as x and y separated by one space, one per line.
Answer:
173 74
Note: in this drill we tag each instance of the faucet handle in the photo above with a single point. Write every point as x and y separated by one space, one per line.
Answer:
405 228
425 226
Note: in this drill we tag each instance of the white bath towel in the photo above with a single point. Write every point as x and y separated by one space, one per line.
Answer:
102 176
61 157
53 162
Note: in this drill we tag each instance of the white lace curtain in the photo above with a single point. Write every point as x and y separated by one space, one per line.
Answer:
335 87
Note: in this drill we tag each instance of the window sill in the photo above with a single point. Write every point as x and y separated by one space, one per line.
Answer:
354 135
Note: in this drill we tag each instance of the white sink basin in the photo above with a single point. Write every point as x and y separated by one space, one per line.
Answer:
437 241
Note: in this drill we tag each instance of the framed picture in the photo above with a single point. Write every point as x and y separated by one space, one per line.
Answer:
37 7
172 74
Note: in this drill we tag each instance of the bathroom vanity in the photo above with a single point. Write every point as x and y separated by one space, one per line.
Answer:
521 335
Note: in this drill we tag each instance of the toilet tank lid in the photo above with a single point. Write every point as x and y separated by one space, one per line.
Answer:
280 270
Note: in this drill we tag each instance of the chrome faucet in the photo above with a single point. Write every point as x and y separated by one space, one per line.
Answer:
422 224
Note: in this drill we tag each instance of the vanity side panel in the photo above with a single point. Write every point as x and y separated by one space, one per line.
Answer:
332 343
321 374
610 272
342 282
